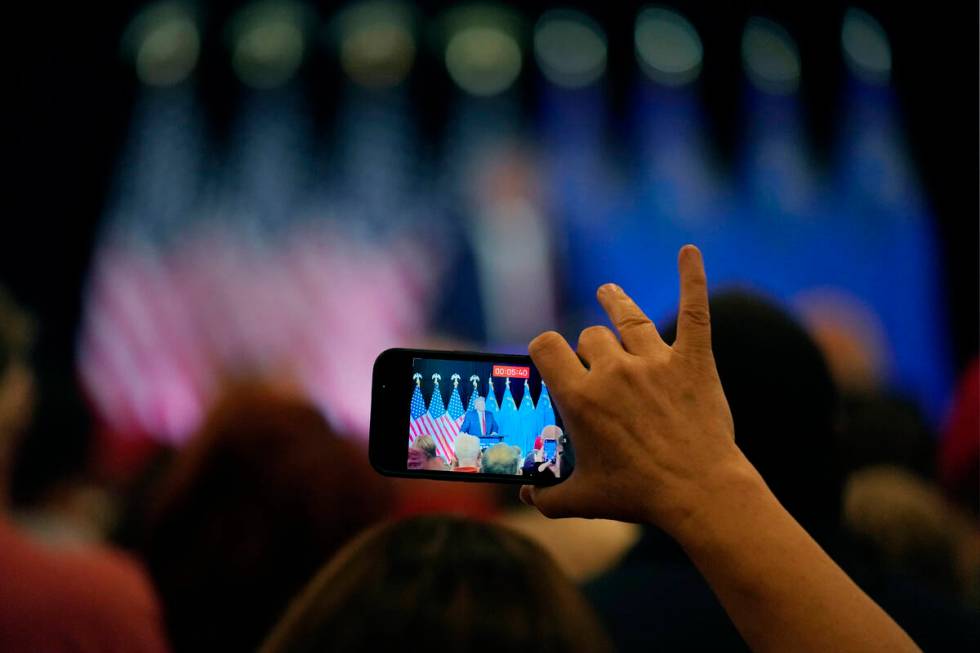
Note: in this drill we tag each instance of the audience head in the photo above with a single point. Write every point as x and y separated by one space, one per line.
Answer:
502 458
467 450
427 445
440 584
16 376
249 510
480 403
784 404
905 525
551 432
883 429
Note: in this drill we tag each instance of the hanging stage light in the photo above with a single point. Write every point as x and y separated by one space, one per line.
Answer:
376 41
268 42
163 42
866 48
483 53
667 46
770 56
570 48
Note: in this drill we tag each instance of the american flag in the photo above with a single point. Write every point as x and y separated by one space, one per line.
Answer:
442 428
455 408
417 425
471 404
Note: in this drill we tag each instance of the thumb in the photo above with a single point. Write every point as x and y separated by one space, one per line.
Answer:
548 500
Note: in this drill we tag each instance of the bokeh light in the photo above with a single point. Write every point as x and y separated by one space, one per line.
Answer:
770 56
377 43
667 46
570 48
268 42
163 42
866 48
483 55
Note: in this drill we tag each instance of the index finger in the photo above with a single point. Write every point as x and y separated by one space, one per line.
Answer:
693 317
555 359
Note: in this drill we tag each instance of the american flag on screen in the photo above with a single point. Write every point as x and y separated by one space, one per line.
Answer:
443 429
417 426
455 408
471 404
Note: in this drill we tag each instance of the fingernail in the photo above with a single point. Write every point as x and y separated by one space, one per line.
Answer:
611 288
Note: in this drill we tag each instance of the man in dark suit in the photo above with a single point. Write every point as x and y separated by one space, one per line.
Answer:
478 421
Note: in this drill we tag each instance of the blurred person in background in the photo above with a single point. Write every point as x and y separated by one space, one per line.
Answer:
443 584
959 449
959 474
501 458
512 241
906 527
82 598
249 510
785 408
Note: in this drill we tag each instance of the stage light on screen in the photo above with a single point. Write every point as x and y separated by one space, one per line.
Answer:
268 42
770 56
866 48
570 48
164 43
483 55
667 46
376 41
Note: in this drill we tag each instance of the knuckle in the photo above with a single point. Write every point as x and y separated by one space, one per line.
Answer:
696 315
633 321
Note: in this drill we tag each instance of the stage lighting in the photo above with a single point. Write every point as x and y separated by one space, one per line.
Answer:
570 48
667 46
770 56
376 42
163 43
866 48
268 42
483 55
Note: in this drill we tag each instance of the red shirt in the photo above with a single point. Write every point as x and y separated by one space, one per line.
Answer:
79 600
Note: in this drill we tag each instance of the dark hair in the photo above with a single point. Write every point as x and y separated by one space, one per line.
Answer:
442 584
264 494
784 404
16 332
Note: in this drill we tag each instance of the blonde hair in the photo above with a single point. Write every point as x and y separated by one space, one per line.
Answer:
426 444
467 449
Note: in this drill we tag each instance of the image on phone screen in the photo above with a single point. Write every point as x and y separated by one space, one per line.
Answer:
483 417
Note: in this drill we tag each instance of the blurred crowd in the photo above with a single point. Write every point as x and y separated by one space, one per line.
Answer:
269 528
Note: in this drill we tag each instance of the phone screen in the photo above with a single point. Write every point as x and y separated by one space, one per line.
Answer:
550 448
483 417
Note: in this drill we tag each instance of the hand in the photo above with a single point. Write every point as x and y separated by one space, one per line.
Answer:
651 427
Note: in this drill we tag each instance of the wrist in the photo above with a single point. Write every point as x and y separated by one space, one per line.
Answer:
722 500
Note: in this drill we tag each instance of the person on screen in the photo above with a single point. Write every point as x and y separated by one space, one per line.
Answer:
537 463
502 459
478 421
431 460
468 454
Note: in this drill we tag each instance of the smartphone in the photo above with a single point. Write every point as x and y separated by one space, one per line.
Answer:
550 449
463 416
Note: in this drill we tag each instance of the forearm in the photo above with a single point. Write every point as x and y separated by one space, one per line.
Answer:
781 590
